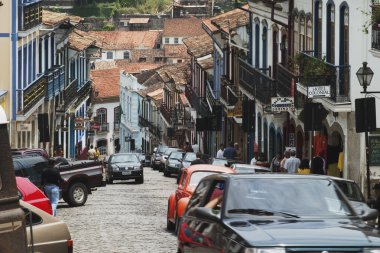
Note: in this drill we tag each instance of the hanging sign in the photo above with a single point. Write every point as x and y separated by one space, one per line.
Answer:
24 127
318 92
282 104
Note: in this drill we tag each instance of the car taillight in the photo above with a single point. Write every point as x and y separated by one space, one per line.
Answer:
70 246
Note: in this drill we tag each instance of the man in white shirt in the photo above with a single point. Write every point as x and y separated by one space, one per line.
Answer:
219 154
195 147
292 163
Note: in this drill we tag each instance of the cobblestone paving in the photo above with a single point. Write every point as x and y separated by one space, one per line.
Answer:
123 217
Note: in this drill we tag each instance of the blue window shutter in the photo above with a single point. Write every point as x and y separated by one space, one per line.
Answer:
24 58
19 69
31 63
34 60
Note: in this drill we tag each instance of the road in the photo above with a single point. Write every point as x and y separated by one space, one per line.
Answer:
123 217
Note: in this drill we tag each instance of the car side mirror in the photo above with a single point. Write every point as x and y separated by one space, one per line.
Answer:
206 213
366 213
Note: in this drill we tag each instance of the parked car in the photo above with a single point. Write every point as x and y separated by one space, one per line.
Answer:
173 163
80 176
189 180
186 162
124 166
247 168
156 157
30 151
145 160
165 156
49 234
253 213
31 194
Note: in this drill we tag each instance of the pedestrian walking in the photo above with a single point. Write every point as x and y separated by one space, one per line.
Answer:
91 153
230 152
275 163
195 147
286 156
253 160
292 163
198 159
50 181
58 152
304 167
219 154
318 165
97 153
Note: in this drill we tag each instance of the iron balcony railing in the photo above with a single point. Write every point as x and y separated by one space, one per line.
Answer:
314 72
165 111
376 2
31 95
287 85
56 81
253 80
70 92
29 15
198 103
103 127
143 122
229 91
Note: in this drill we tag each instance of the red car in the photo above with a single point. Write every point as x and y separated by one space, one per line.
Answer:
190 178
32 195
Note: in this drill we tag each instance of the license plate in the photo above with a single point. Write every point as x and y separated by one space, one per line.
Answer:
124 173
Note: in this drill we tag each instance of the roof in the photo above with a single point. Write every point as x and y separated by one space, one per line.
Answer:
114 40
184 99
176 51
207 63
157 94
228 21
199 46
80 40
106 82
182 27
51 18
137 67
138 20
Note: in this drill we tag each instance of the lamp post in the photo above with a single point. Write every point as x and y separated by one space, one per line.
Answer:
365 75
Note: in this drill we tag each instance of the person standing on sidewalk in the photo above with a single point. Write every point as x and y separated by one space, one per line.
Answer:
219 154
51 180
230 152
292 163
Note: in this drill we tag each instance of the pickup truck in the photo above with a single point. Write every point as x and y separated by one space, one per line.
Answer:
81 177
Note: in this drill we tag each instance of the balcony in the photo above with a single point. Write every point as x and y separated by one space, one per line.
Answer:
228 91
70 92
116 126
56 81
143 122
155 130
261 86
314 72
30 96
287 86
103 127
211 97
165 111
376 37
198 103
29 15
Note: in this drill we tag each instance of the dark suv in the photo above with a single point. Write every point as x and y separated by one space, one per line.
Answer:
156 157
124 166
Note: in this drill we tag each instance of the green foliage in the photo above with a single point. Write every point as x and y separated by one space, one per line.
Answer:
311 67
108 26
372 19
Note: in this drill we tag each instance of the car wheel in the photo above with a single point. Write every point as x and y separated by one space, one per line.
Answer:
166 173
169 225
139 180
77 194
177 225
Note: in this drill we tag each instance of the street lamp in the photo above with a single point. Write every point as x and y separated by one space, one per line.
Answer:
365 75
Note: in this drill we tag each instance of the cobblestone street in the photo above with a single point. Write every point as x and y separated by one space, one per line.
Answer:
123 217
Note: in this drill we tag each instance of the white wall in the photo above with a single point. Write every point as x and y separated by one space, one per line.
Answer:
117 54
171 40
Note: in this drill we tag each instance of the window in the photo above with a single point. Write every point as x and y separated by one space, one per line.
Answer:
157 59
101 116
179 61
199 194
257 45
142 59
309 39
176 41
215 199
166 40
318 29
302 34
295 36
109 55
330 34
265 47
126 55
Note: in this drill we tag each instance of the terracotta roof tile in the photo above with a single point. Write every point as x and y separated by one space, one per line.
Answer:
106 82
207 63
183 27
113 40
176 51
51 18
80 40
199 46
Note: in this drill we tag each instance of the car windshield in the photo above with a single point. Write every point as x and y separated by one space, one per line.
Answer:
169 150
197 176
293 196
176 155
221 162
244 169
162 149
190 157
351 190
125 159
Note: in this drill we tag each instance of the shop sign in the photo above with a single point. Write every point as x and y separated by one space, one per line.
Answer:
282 104
95 126
236 111
318 92
24 127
